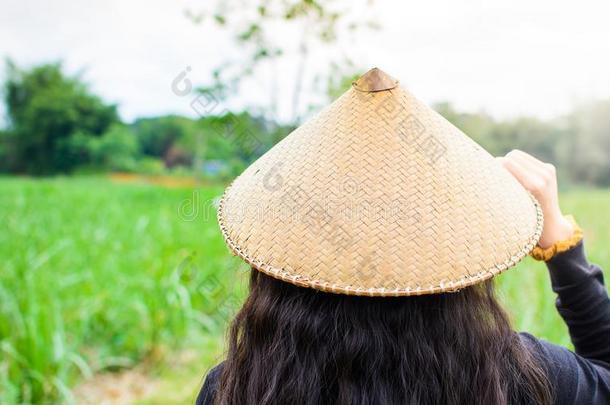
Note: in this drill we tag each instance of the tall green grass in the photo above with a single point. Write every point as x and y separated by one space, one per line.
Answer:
99 276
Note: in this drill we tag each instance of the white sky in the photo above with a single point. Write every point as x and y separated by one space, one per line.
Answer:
505 57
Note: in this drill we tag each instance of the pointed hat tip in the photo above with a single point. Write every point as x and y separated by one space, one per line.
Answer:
375 80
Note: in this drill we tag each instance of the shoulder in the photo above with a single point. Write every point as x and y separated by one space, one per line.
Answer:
210 386
572 377
558 362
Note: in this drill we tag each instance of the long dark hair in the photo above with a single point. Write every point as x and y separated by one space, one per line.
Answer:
293 345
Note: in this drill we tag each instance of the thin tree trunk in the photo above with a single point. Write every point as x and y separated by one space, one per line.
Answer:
298 87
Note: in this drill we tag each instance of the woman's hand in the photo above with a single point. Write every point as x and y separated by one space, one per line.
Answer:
539 178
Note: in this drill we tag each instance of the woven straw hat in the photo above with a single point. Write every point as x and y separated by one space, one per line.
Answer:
379 195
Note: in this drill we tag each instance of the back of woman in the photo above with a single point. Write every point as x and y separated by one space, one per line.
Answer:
399 307
291 345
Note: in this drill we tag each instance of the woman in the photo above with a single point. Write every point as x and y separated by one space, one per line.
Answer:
299 344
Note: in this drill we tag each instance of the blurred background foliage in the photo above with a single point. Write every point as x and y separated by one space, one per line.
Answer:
57 125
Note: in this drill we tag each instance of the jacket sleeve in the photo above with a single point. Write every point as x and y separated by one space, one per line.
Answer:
207 394
573 379
582 377
582 302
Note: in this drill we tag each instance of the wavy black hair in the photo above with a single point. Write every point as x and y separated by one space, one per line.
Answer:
293 345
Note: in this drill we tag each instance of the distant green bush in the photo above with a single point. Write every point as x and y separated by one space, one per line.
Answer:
116 150
45 108
149 165
157 135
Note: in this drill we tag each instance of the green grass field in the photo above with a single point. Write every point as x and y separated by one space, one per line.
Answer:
98 277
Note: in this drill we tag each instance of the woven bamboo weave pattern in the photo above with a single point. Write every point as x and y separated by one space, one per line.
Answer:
379 195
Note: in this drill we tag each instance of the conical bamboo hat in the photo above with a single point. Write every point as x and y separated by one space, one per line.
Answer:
379 195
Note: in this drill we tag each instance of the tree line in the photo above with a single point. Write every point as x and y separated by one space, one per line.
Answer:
56 124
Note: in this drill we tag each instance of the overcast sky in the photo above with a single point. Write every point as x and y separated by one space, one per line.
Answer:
505 57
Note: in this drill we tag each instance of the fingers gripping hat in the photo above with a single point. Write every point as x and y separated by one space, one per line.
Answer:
379 195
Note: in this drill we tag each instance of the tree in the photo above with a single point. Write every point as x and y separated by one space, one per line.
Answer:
499 137
585 150
157 135
44 108
117 149
259 30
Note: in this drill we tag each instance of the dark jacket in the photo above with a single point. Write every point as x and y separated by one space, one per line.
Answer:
578 378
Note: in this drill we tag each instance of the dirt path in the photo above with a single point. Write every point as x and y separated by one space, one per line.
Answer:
176 382
121 388
164 181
